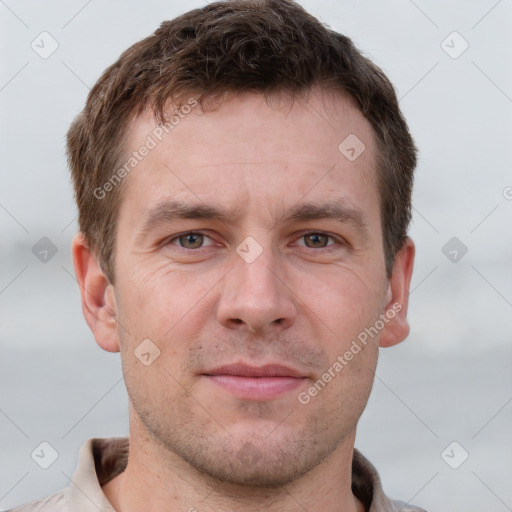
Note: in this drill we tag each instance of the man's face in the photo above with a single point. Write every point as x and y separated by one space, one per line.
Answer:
249 251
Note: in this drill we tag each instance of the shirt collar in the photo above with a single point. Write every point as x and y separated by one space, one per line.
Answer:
102 459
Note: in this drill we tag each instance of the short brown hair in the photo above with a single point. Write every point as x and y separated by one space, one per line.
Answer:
262 46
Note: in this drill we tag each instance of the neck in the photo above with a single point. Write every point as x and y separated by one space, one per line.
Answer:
158 480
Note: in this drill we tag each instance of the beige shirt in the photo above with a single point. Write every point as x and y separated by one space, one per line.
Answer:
100 460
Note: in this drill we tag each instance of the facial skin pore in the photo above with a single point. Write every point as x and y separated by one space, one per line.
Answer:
201 437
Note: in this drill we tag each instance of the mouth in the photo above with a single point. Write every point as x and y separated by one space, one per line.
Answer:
259 383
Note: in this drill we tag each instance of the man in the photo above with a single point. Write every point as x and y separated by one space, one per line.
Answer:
243 178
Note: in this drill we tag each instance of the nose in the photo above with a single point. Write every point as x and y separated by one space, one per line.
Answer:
256 296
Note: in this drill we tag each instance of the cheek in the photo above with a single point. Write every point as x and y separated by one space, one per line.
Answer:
165 305
341 301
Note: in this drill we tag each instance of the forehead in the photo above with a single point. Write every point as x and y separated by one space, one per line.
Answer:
271 152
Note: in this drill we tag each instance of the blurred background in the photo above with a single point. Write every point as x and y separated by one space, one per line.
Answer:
438 422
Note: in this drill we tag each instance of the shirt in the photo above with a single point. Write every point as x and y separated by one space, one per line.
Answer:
101 460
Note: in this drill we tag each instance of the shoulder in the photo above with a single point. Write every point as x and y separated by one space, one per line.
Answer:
55 502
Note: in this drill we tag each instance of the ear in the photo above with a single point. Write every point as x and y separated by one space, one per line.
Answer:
397 297
98 302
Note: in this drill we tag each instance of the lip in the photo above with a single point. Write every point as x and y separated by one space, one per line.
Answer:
245 370
259 383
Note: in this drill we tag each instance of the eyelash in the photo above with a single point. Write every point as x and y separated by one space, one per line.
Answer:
177 237
335 239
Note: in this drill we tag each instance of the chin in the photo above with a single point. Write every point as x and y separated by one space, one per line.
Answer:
249 468
256 461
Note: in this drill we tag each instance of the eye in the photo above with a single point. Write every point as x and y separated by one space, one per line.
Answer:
191 240
317 240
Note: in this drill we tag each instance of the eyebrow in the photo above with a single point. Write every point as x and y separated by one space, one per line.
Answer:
169 211
337 211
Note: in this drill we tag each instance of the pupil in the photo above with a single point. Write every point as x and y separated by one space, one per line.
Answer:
191 241
315 240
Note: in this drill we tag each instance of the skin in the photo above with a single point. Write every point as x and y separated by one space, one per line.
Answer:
194 444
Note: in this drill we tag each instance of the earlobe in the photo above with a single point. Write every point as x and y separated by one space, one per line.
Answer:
397 297
98 301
